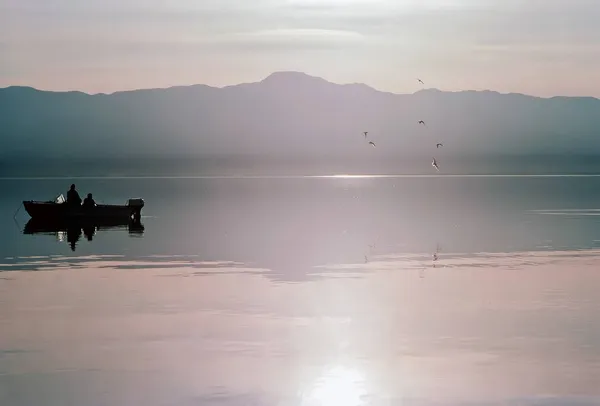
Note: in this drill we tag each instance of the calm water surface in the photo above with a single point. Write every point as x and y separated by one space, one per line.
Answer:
306 291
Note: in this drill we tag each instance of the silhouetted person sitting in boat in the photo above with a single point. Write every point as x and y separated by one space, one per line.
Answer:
89 201
73 197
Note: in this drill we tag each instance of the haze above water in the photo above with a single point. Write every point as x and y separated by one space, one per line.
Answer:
307 291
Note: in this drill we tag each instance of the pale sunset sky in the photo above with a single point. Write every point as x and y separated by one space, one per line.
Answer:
539 47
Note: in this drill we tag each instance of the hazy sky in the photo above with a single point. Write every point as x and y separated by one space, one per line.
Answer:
542 47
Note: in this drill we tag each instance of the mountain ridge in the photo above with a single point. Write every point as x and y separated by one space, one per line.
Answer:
292 114
279 73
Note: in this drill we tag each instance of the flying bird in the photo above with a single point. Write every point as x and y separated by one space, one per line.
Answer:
421 122
439 145
435 165
372 143
420 81
365 133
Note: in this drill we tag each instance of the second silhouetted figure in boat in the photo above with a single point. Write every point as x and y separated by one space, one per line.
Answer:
89 202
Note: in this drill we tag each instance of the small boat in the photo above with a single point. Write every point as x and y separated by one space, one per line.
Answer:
59 210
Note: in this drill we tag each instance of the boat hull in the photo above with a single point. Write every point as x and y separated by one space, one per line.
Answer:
51 211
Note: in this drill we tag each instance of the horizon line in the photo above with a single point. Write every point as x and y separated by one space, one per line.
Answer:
330 176
432 89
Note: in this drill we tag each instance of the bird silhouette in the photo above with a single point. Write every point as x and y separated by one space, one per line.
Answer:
420 81
365 133
439 145
372 143
435 165
421 122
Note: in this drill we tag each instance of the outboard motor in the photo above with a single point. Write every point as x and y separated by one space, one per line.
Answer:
136 204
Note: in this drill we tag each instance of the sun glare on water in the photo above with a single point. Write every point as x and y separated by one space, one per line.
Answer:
338 386
346 176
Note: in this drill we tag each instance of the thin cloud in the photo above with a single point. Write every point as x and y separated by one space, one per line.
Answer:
296 37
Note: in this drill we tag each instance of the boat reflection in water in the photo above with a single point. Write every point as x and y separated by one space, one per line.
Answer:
76 228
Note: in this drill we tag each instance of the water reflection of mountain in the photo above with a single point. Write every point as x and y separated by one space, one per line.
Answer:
73 230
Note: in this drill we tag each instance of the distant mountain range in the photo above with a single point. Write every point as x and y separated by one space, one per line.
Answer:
291 115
